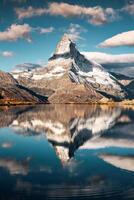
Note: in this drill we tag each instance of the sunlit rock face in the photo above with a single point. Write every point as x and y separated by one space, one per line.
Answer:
70 77
6 78
13 93
72 127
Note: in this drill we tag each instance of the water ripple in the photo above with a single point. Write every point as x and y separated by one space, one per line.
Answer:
90 193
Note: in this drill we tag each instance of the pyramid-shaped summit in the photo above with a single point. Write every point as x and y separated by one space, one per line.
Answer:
65 49
69 77
66 54
64 46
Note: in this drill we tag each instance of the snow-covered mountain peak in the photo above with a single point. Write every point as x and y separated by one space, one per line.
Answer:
64 45
66 66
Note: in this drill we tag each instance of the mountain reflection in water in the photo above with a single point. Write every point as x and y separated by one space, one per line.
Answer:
62 151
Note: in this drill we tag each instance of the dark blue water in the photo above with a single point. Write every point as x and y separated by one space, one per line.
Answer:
66 152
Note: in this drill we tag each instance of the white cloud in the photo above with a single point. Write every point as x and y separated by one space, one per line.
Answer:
94 15
129 8
74 31
29 12
7 54
15 32
103 58
121 63
122 39
46 30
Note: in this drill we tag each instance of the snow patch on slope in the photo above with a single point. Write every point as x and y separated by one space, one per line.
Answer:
64 45
97 75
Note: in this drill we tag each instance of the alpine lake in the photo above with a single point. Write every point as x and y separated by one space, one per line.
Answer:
66 152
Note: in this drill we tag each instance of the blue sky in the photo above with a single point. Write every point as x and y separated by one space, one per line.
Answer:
45 27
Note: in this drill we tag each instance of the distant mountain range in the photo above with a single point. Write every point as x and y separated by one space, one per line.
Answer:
69 77
12 93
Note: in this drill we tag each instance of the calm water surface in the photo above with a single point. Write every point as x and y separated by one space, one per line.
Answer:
66 152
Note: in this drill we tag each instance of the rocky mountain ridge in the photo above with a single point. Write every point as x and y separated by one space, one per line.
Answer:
12 93
69 77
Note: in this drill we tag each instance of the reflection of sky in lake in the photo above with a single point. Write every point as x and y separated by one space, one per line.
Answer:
51 151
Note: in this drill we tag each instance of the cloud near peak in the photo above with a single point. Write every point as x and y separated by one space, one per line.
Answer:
74 32
104 58
120 63
122 39
94 15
